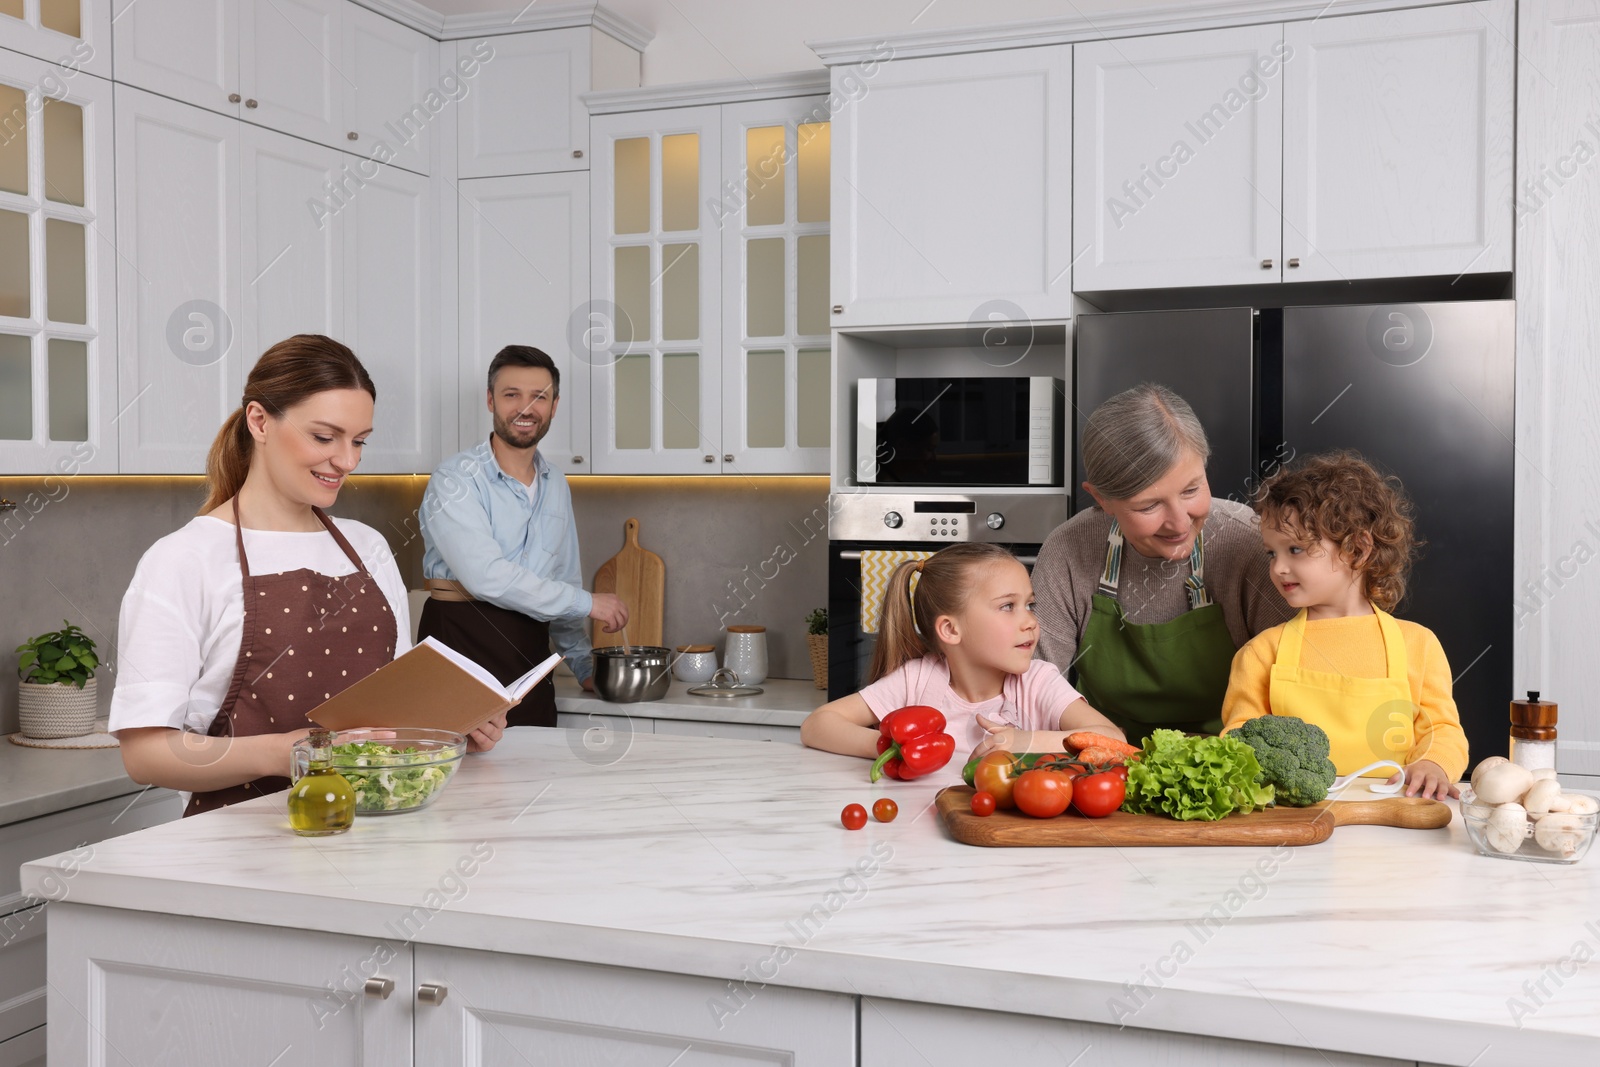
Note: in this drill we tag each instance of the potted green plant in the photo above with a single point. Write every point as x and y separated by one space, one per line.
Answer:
57 690
817 642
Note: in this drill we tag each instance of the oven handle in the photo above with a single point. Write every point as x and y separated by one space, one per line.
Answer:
853 554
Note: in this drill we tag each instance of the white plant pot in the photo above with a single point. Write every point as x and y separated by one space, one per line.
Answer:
59 709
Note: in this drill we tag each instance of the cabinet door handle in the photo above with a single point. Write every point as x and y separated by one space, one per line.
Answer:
379 988
577 459
838 309
432 993
249 103
1294 261
577 153
1266 264
353 135
234 98
727 457
711 459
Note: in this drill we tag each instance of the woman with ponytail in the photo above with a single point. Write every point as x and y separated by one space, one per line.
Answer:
245 620
957 633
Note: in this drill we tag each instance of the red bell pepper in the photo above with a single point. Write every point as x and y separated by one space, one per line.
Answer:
912 743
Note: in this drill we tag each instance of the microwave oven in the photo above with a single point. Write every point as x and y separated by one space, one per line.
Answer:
960 431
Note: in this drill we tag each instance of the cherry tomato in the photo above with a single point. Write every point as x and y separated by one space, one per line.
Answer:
1098 795
854 816
983 803
995 775
1043 794
884 809
1121 771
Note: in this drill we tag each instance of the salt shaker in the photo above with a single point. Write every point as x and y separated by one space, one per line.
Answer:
746 654
1533 732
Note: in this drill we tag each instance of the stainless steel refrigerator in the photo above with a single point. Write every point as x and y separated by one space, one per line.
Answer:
1423 391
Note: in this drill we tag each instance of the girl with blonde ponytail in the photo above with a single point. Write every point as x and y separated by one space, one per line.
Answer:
957 633
237 626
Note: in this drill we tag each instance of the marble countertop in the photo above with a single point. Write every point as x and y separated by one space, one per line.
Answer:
38 781
727 860
782 702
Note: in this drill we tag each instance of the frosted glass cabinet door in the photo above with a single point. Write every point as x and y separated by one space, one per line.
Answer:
952 187
178 280
524 280
1177 149
184 49
73 33
1398 143
652 331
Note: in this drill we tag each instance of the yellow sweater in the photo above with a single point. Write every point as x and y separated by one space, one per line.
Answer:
1353 646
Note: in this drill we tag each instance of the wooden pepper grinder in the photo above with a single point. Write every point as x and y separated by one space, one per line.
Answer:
1533 732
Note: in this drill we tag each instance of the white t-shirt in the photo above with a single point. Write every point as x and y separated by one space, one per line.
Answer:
183 616
1033 700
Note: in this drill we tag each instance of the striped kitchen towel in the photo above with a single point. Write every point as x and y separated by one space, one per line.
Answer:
876 567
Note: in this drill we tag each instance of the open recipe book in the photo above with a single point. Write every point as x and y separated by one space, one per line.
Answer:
432 685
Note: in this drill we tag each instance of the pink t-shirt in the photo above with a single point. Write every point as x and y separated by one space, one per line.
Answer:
1030 701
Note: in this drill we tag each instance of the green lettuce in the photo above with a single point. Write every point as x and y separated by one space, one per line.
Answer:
1195 777
384 778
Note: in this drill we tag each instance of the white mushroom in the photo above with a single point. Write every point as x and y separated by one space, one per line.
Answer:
1559 802
1562 832
1542 773
1507 828
1579 804
1542 798
1503 783
1482 768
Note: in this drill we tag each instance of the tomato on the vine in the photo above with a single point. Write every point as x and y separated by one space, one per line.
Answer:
1098 795
884 809
996 774
983 803
1043 794
854 816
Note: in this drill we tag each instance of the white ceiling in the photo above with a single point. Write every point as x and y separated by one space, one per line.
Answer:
700 40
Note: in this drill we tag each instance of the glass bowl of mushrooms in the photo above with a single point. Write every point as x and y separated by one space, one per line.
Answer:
1514 813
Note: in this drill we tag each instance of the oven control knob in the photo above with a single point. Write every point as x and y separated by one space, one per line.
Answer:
995 520
893 520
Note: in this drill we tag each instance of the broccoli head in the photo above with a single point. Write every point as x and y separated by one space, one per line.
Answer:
1293 755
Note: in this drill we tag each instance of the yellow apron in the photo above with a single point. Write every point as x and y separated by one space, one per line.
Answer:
1366 719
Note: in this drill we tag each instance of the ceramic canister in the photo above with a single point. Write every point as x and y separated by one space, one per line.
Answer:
746 654
694 664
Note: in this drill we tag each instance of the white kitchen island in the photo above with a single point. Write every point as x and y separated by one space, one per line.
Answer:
683 901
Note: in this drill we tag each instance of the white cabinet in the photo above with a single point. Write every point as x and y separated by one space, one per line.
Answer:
134 987
272 62
391 317
391 95
522 114
178 280
524 279
58 345
75 35
1177 157
1398 143
776 346
951 188
895 1032
657 374
502 1011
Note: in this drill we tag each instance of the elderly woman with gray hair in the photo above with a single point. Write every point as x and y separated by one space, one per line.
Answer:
1149 594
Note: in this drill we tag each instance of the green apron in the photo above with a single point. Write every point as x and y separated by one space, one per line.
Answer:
1166 674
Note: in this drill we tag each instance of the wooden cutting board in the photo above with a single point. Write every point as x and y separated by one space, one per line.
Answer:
1272 826
640 578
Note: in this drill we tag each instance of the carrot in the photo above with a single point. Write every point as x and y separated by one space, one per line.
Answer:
1100 754
1085 739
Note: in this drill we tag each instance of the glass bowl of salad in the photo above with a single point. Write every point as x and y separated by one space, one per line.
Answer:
398 770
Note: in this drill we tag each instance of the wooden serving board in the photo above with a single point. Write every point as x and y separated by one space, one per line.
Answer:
640 578
1271 826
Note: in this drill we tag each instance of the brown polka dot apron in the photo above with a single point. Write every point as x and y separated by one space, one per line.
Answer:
306 636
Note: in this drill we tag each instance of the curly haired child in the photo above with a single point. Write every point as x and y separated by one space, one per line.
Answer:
1339 540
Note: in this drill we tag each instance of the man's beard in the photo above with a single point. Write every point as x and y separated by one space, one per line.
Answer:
520 438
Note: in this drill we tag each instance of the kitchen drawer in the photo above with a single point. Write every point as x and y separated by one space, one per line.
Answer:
64 830
24 1050
743 731
22 973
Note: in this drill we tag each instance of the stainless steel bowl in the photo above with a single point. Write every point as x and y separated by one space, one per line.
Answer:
629 677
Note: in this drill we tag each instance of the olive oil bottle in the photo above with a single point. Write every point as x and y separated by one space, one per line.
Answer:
321 801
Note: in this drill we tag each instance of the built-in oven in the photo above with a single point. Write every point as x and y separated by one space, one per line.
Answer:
867 521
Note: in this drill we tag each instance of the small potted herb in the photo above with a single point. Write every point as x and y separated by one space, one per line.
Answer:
57 690
817 642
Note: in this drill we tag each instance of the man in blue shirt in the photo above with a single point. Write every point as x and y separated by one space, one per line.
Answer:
501 559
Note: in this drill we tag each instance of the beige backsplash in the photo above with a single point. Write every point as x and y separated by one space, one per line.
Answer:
737 550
